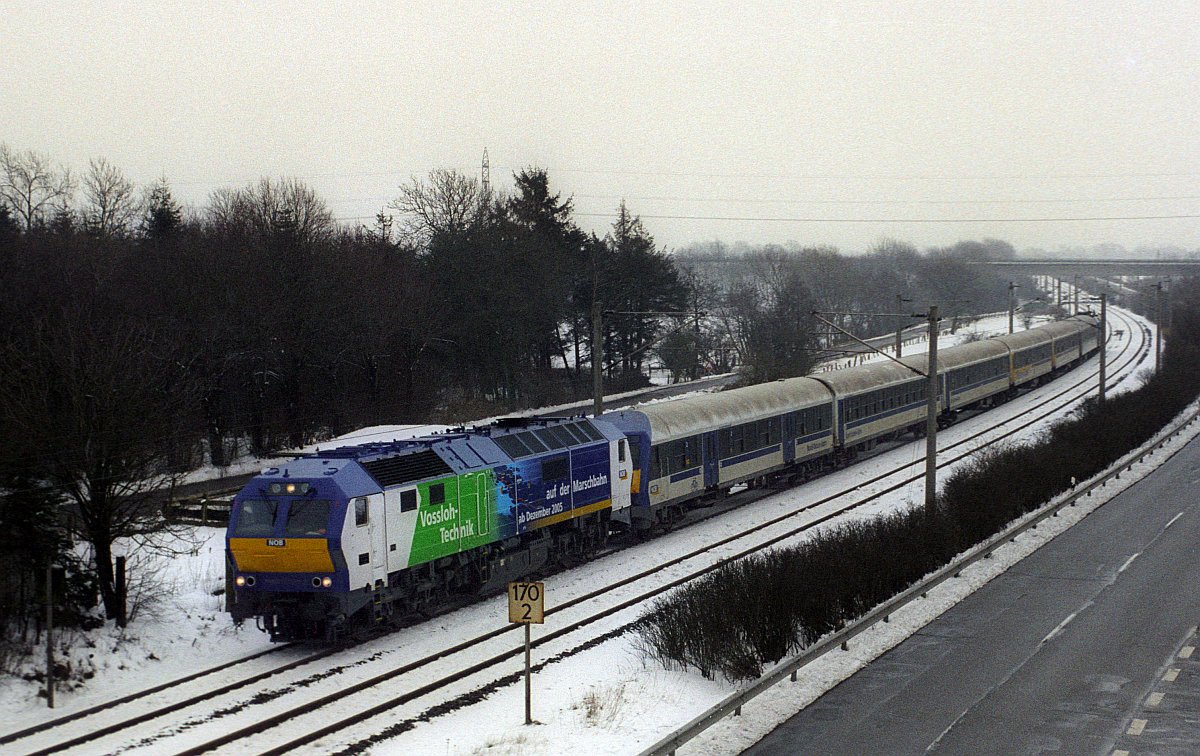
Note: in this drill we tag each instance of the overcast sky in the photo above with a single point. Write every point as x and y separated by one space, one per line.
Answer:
740 122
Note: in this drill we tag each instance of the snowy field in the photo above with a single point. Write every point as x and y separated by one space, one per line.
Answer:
606 699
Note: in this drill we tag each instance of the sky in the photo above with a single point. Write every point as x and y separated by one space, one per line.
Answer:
838 123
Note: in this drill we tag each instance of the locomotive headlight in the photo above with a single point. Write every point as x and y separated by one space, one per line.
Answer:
326 582
239 581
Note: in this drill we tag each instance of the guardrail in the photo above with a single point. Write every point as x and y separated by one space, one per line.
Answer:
733 703
198 511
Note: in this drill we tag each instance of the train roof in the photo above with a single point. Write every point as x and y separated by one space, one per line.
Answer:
1025 339
970 353
873 375
690 415
1064 328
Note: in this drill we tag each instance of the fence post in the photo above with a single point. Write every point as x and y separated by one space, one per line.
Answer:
50 634
121 618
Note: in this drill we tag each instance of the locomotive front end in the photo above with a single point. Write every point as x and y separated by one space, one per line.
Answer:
284 549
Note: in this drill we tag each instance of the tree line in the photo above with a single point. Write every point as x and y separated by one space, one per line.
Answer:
139 338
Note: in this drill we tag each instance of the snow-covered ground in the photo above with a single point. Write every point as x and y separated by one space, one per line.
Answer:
607 699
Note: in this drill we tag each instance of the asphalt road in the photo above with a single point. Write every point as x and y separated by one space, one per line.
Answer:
1084 647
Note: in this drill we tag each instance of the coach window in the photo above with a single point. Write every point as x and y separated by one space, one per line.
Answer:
361 513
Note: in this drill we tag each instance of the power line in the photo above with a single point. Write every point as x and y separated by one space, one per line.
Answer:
654 198
896 220
789 201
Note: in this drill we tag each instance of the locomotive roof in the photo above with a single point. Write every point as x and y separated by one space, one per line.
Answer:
690 415
459 451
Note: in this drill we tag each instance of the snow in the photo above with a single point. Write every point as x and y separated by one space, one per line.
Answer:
605 699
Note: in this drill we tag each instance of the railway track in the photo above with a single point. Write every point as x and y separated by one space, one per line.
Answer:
464 672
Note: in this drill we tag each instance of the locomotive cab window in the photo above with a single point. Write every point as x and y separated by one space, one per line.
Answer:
255 518
308 517
361 512
437 493
621 450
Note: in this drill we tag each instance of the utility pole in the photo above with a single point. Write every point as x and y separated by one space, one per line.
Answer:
899 324
1059 293
1103 343
1012 305
931 415
597 359
696 320
1076 289
1158 318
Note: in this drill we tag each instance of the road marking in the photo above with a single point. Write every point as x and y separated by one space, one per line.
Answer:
1173 519
1136 727
1186 652
1128 562
1060 627
1155 699
1171 675
1120 753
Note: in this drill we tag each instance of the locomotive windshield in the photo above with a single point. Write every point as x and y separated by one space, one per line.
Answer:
308 517
255 518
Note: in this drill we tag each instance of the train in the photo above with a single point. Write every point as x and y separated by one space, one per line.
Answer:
334 544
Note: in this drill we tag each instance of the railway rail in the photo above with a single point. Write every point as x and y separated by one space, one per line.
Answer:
428 674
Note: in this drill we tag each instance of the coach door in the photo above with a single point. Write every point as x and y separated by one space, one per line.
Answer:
712 461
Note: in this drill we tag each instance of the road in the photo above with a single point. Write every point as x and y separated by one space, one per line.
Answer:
1083 647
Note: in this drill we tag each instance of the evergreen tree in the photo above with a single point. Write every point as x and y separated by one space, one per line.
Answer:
163 216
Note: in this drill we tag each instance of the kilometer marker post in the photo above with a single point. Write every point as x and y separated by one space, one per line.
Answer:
527 606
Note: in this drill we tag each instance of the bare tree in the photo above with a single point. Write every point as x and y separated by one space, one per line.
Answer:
31 187
445 202
111 206
97 406
271 206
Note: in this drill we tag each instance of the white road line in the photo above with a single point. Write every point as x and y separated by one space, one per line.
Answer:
1136 727
1173 519
1186 652
1128 562
1171 675
1060 627
1154 700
